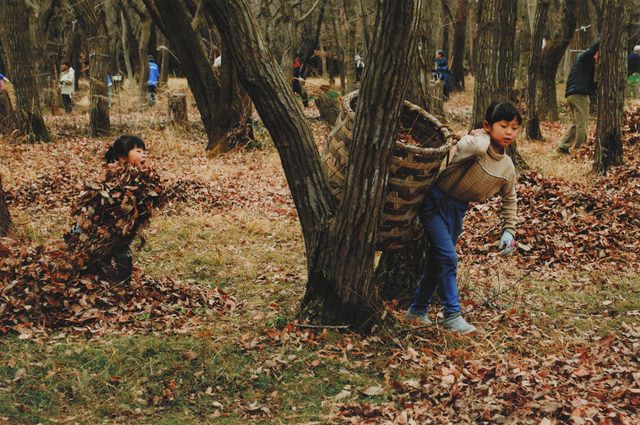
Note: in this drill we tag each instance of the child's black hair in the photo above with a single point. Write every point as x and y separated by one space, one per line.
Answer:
499 111
121 147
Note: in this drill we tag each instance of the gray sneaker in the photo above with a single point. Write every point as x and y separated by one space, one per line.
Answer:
458 324
424 319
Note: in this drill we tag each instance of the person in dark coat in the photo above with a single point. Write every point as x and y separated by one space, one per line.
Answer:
580 85
633 61
442 73
296 81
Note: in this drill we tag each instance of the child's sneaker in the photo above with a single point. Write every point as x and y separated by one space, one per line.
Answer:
458 324
423 319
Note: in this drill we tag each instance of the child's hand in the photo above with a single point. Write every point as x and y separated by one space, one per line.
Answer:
507 243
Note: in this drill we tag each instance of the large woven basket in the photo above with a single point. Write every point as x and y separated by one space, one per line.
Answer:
413 168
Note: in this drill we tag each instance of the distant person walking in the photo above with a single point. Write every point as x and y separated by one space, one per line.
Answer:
67 85
296 81
442 73
152 83
580 85
359 67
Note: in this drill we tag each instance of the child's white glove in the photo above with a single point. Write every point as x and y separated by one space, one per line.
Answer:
507 243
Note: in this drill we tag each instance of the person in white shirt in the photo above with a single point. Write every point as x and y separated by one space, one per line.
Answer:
67 85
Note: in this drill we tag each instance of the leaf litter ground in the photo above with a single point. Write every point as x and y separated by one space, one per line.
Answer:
559 337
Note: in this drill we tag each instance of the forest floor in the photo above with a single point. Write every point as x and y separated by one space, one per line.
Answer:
559 323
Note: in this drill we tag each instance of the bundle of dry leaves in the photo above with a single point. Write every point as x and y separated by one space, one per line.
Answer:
48 286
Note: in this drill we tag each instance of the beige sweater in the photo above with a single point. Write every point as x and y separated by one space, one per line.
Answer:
490 173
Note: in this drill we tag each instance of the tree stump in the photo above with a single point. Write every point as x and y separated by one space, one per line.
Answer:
329 109
178 108
7 115
5 217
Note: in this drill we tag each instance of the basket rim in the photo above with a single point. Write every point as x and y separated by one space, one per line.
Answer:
450 139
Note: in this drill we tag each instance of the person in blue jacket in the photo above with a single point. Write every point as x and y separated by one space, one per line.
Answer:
152 83
442 73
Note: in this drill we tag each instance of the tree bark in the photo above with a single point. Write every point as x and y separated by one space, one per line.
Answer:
5 217
143 54
349 61
550 60
459 38
177 108
222 103
92 19
612 78
533 120
494 56
340 243
164 61
7 114
16 38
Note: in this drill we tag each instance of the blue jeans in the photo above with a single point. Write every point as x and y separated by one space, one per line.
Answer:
442 218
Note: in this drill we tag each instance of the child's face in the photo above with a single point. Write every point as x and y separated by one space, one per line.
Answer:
136 157
504 132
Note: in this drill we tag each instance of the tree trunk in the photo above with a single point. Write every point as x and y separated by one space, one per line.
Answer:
339 54
16 38
349 62
365 26
164 61
143 54
340 250
91 17
447 22
125 49
177 109
459 38
612 78
533 121
5 217
550 60
494 56
222 103
7 114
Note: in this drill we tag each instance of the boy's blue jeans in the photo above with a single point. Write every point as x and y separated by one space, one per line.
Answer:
442 218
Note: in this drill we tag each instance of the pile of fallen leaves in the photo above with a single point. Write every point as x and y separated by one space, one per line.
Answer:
595 382
111 213
48 286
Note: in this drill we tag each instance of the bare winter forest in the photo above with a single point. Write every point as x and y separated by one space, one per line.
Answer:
219 211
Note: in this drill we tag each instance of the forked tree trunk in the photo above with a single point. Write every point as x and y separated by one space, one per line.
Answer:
5 217
612 78
533 120
222 103
92 19
494 56
550 59
339 243
459 38
16 39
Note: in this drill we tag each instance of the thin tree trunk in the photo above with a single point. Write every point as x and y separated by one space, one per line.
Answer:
340 251
365 26
612 78
164 61
5 217
550 60
349 62
91 17
459 38
339 54
494 57
125 50
143 53
16 38
533 121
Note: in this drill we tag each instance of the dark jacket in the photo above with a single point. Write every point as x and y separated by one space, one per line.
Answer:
581 78
633 63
